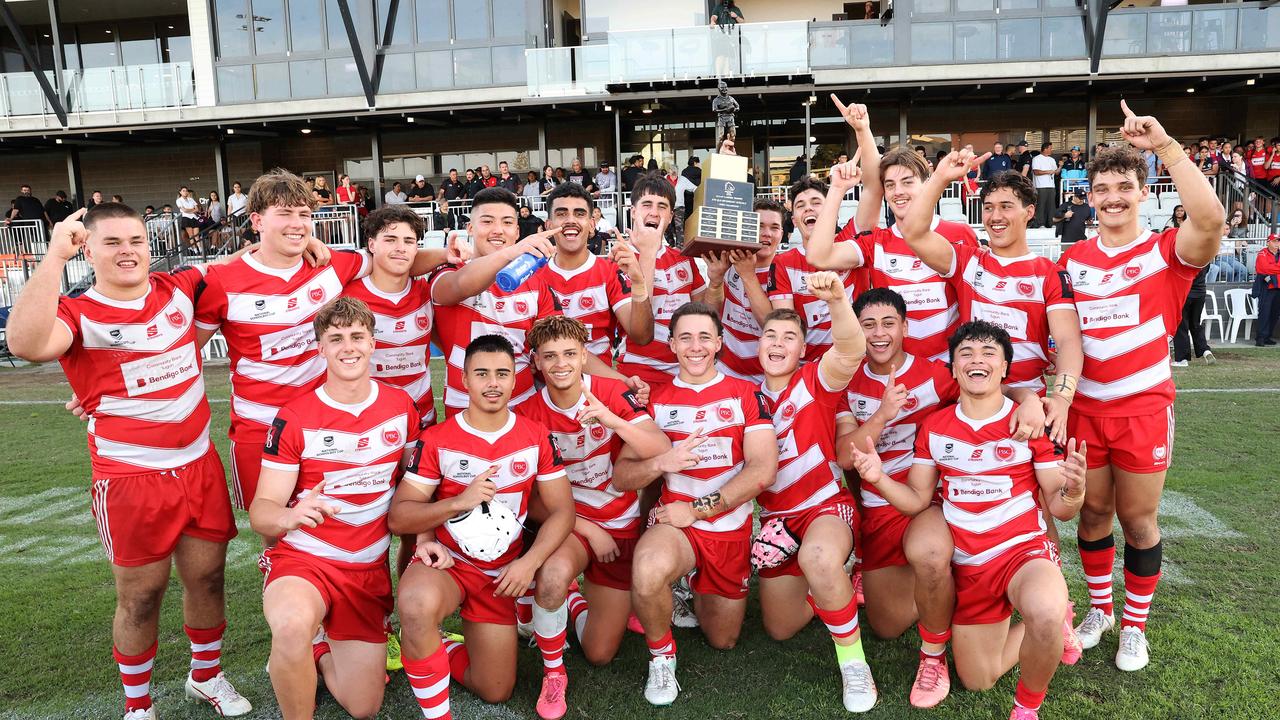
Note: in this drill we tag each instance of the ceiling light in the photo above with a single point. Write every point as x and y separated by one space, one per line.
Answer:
170 27
1030 89
646 110
1191 90
609 108
1250 81
58 141
409 119
306 131
231 131
108 32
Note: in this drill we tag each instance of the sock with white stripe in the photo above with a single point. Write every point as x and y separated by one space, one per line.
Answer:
664 646
135 675
429 679
843 626
578 612
1141 575
206 651
550 630
1097 558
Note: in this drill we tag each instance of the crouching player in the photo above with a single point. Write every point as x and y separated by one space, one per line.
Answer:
1003 557
329 472
592 420
725 454
808 516
470 482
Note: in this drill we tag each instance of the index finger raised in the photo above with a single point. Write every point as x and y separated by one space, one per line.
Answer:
77 214
839 105
1124 107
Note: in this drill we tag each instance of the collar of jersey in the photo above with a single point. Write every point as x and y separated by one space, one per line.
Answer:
134 304
933 225
393 297
1007 261
285 274
978 424
353 410
1116 251
698 388
910 360
489 437
568 274
567 412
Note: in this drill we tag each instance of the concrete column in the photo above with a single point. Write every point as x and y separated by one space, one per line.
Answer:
902 124
375 152
202 52
1091 127
75 180
220 169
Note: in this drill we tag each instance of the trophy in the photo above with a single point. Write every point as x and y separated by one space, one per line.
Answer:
722 217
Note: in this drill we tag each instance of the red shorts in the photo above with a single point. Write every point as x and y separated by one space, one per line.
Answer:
982 592
1142 444
246 464
141 517
883 529
722 563
357 598
798 524
478 602
616 574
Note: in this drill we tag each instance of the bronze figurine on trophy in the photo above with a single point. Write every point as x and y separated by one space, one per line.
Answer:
722 217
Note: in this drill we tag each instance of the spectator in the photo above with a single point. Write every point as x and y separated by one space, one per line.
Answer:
487 177
1177 218
1189 337
215 211
26 207
321 191
94 199
1236 225
669 172
167 209
561 176
1073 167
548 181
346 192
606 180
1257 158
506 180
869 10
577 174
921 152
148 212
602 223
1207 162
997 163
1043 170
189 221
1267 289
726 14
1273 164
1226 267
58 208
1022 159
693 171
419 191
799 169
1153 165
442 218
632 172
236 201
532 189
528 222
364 201
1072 217
652 166
842 158
451 188
395 196
685 188
474 184
117 199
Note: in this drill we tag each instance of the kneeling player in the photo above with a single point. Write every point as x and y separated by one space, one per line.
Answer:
590 419
328 475
1003 557
903 557
808 514
726 454
470 482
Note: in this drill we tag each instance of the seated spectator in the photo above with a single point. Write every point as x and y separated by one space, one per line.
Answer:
528 222
532 189
443 218
395 196
1177 218
1236 225
420 191
1226 267
602 223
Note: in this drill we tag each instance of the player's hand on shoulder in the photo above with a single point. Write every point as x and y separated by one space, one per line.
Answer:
1027 422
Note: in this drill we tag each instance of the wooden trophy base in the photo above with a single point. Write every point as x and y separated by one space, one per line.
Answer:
699 246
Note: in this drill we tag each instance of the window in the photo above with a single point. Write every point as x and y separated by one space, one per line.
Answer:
235 83
975 41
306 21
433 20
138 45
1019 39
337 30
1062 37
435 70
470 19
402 30
98 45
271 81
233 28
930 43
343 78
306 78
508 65
268 28
511 20
472 67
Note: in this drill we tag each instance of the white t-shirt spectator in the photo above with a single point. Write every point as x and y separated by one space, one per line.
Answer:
604 226
683 185
187 206
395 198
1043 162
236 202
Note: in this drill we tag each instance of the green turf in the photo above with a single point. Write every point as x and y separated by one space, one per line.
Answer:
1213 637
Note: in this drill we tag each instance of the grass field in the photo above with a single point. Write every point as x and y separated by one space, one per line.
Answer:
1213 637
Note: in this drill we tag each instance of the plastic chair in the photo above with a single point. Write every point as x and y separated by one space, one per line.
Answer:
1169 200
1241 313
1149 206
1211 315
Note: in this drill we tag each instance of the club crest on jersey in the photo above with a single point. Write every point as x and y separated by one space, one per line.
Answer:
1004 451
597 432
949 447
316 294
391 437
586 302
1132 271
519 468
910 403
788 410
522 307
1025 288
152 331
175 318
421 321
725 412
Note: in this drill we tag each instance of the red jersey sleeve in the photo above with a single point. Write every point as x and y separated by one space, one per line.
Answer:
755 412
1044 454
622 401
945 384
211 306
550 464
69 316
922 454
961 254
864 240
350 264
189 280
618 287
435 276
1058 294
282 449
1168 248
699 283
779 284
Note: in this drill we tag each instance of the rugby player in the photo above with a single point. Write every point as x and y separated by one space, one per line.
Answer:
129 349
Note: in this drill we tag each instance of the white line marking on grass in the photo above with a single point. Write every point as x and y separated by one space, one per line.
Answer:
1212 391
61 507
18 504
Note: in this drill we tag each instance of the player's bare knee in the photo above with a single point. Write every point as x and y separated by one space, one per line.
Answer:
419 604
778 629
495 691
649 579
1140 529
553 580
363 710
599 654
977 679
141 606
291 630
819 560
725 640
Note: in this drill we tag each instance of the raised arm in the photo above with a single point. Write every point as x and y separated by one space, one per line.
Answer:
849 345
872 191
822 249
745 264
478 275
33 332
932 248
637 319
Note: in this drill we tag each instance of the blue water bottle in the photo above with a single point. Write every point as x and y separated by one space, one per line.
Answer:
517 271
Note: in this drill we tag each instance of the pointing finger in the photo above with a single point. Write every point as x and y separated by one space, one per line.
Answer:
857 157
839 105
1124 107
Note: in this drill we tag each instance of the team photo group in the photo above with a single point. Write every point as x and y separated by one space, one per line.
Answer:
880 424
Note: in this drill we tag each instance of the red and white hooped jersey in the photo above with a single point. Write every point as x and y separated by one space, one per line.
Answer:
402 333
989 486
675 281
804 418
1016 294
1130 301
490 312
595 294
356 450
265 314
135 366
930 387
726 409
453 453
931 302
791 270
740 353
588 452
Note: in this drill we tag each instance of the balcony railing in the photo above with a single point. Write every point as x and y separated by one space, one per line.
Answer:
108 89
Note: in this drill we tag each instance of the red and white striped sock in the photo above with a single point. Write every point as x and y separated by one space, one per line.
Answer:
459 659
524 608
206 651
1141 575
1097 558
578 612
933 638
549 629
842 623
135 675
429 678
664 647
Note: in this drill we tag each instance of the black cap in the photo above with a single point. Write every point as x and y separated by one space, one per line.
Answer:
1022 142
1082 193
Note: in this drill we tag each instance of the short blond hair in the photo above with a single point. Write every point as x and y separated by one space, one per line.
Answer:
556 327
278 188
342 312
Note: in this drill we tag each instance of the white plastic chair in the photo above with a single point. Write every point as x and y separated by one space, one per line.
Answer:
1169 200
1241 313
1150 205
1211 315
950 205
